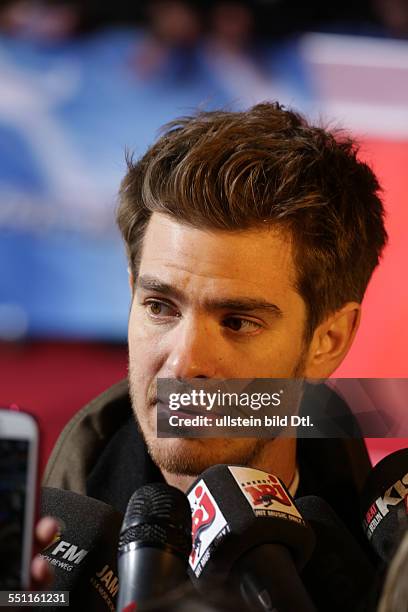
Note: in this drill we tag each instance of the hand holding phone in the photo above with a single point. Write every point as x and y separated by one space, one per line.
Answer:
19 439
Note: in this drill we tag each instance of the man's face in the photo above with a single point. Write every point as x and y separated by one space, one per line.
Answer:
211 304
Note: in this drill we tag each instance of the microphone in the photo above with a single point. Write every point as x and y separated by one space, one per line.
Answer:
339 574
385 504
154 544
83 555
247 531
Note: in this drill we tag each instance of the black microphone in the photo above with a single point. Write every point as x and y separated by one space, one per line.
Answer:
83 555
248 532
385 504
339 575
154 544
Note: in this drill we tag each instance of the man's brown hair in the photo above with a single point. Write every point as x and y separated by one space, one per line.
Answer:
238 170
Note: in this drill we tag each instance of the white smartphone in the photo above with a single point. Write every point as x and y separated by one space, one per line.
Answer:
19 440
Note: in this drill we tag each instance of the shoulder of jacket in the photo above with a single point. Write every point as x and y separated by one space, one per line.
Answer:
85 436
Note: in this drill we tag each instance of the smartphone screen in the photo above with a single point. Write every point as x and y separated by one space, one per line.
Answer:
18 473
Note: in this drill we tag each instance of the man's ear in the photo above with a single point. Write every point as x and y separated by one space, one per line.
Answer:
332 340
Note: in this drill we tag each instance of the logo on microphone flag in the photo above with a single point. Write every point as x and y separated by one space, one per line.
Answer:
63 555
208 525
393 496
265 493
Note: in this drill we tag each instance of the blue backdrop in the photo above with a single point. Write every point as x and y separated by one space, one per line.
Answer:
67 114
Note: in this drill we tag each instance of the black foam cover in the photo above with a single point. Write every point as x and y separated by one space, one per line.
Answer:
384 503
339 575
157 515
241 524
154 545
84 555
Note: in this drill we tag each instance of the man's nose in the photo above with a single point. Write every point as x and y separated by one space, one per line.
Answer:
195 352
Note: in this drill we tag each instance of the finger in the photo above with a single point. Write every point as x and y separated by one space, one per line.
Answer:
41 573
45 530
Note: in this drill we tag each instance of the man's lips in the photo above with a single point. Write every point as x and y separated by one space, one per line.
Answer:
193 411
186 411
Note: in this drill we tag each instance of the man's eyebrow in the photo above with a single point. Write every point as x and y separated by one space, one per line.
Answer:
242 304
151 283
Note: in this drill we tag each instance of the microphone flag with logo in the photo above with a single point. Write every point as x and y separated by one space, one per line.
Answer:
385 504
247 530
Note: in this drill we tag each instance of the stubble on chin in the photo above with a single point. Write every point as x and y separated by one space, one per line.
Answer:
188 456
191 456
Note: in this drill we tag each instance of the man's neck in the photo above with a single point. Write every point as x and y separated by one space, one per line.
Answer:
277 457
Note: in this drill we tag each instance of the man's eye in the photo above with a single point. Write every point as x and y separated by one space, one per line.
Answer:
237 324
160 309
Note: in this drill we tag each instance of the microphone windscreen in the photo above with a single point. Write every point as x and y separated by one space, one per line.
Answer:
339 574
83 555
158 515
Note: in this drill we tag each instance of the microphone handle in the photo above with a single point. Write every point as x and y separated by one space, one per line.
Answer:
147 573
269 581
